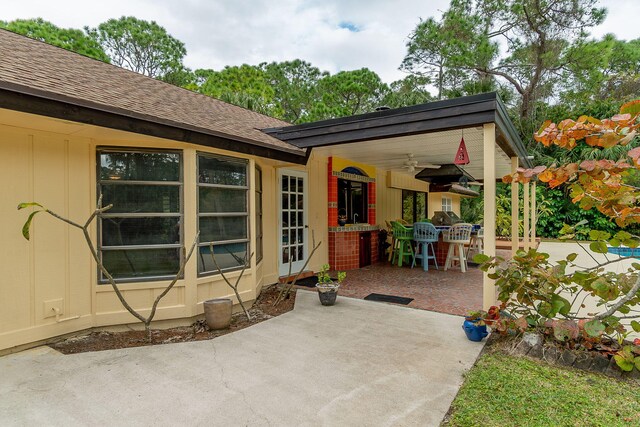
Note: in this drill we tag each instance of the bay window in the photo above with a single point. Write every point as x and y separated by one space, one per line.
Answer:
223 216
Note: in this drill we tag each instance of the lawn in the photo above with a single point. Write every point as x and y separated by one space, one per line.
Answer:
503 390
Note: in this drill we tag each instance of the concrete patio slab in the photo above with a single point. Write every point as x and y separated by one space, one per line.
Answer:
356 363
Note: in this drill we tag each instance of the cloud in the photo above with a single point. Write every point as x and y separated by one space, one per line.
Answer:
333 35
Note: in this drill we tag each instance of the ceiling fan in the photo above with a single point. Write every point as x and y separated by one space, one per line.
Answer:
411 164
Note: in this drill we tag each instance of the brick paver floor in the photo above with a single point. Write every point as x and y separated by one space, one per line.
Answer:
451 291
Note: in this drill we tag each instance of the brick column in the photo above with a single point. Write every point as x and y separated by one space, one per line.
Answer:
371 190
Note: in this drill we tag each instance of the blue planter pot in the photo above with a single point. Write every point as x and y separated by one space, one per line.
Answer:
474 332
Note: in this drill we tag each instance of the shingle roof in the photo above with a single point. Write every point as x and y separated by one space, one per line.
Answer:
36 68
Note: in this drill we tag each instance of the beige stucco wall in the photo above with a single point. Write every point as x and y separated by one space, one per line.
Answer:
435 202
53 162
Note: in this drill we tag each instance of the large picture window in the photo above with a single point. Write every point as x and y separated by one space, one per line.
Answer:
140 237
414 206
222 212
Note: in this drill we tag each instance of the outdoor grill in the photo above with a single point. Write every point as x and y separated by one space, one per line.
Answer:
445 218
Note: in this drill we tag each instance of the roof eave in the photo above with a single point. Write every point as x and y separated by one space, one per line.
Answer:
29 100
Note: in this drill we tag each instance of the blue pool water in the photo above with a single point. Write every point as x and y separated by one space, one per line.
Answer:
634 252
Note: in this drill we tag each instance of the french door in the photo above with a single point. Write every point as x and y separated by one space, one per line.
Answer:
292 221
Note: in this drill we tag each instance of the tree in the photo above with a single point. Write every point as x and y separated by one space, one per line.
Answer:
141 46
541 295
436 49
244 85
66 38
98 259
295 87
538 35
602 70
412 90
347 93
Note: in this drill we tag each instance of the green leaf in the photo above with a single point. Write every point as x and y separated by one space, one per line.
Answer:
598 235
600 285
624 363
614 242
635 325
481 258
636 362
560 305
572 257
599 247
631 107
635 265
29 204
27 225
594 328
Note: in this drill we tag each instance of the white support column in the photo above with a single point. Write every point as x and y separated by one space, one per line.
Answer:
515 211
533 214
489 168
527 209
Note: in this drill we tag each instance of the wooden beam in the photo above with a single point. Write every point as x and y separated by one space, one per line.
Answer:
527 209
533 214
489 168
515 211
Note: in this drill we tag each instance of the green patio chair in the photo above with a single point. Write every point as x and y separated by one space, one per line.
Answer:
404 246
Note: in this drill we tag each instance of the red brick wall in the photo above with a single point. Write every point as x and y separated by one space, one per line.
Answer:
344 249
372 202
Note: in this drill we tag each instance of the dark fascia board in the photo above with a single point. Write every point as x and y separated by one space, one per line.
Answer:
435 116
26 100
457 113
508 132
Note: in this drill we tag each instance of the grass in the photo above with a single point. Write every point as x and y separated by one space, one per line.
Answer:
503 391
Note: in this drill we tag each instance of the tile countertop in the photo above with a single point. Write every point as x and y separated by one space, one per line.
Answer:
356 227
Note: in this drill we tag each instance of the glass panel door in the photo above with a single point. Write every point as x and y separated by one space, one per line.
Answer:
293 231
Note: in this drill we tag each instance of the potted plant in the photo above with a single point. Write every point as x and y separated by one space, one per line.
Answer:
342 217
327 287
474 325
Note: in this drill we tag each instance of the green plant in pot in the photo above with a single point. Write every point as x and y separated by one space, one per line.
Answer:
328 287
475 326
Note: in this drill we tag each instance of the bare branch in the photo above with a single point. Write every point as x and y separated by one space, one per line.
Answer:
247 261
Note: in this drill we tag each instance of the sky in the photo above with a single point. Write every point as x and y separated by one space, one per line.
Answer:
333 35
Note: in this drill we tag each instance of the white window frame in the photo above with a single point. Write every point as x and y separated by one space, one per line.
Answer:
107 214
447 204
199 215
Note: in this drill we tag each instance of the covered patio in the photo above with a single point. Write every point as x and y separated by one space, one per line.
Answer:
450 292
431 135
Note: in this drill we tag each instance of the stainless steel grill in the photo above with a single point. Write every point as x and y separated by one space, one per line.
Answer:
445 218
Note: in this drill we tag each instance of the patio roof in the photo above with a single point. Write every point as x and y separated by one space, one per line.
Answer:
431 132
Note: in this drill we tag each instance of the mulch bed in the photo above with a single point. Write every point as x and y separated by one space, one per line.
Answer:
261 310
535 346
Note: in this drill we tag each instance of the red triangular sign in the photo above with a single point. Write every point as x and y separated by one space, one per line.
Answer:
462 157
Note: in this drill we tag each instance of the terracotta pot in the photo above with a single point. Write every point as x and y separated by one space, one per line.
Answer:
217 313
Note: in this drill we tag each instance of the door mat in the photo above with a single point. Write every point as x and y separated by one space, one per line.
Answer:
309 282
388 298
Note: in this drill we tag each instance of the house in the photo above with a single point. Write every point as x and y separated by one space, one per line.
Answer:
174 163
